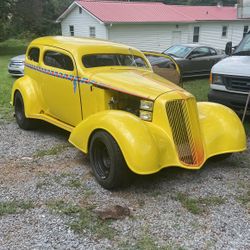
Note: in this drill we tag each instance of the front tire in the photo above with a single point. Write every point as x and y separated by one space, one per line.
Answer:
108 164
22 121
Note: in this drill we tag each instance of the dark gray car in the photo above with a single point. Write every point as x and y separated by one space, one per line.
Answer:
194 59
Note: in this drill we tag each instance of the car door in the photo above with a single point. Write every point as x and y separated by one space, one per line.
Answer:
165 66
197 62
60 86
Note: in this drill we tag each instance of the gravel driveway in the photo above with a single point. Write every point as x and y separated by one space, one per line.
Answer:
50 200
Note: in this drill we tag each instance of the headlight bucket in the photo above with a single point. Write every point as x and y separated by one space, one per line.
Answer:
217 79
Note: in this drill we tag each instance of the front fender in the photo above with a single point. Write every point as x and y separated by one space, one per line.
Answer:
30 93
138 146
222 129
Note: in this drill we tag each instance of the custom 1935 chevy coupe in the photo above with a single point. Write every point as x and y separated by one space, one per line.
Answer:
126 117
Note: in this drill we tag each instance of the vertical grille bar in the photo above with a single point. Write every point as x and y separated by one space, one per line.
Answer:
185 131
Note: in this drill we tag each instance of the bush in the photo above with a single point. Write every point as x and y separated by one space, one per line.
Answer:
13 46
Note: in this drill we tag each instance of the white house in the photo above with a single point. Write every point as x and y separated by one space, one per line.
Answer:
153 25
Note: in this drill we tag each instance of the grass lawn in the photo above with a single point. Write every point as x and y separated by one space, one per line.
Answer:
198 87
6 82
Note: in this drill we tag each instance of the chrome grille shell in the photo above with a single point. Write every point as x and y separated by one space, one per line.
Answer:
183 120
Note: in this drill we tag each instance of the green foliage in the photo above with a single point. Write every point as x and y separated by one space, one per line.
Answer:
245 199
57 149
193 2
199 205
13 207
13 46
30 18
84 219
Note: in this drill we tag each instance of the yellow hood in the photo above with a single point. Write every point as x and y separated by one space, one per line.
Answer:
138 82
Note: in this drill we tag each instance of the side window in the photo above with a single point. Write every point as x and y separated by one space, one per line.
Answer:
160 62
199 52
58 60
33 54
213 52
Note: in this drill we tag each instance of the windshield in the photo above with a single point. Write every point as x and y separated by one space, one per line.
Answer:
244 46
101 60
178 51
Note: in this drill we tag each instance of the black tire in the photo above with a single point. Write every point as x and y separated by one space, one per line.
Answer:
22 121
221 157
107 161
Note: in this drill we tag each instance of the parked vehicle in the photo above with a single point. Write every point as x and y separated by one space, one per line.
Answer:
230 78
194 59
126 117
16 65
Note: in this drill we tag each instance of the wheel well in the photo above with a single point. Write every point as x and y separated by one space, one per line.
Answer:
93 133
14 98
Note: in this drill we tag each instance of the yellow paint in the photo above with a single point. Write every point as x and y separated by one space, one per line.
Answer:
147 146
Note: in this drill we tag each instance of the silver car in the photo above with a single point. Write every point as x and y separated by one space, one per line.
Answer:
16 65
194 59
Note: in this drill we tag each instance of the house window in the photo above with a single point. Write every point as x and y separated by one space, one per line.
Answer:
80 10
92 31
196 34
245 30
224 31
71 30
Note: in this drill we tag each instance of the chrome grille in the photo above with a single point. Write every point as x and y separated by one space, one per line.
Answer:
238 83
185 131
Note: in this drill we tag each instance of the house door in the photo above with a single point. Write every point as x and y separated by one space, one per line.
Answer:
176 37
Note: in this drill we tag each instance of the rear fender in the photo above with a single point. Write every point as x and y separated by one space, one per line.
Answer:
30 92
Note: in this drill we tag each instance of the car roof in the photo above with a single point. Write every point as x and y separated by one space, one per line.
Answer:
192 45
79 43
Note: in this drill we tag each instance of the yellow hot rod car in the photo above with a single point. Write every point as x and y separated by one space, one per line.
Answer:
126 117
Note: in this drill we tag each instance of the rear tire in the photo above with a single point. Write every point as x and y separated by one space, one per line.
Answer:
22 121
108 164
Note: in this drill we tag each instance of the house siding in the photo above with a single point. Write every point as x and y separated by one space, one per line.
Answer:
211 33
81 23
155 37
158 37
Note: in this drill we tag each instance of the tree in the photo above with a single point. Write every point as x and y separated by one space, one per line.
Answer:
5 16
36 17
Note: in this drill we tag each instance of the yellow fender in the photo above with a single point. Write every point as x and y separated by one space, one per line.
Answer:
138 146
222 129
29 91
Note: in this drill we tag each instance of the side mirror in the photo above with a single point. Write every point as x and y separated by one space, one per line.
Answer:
229 48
